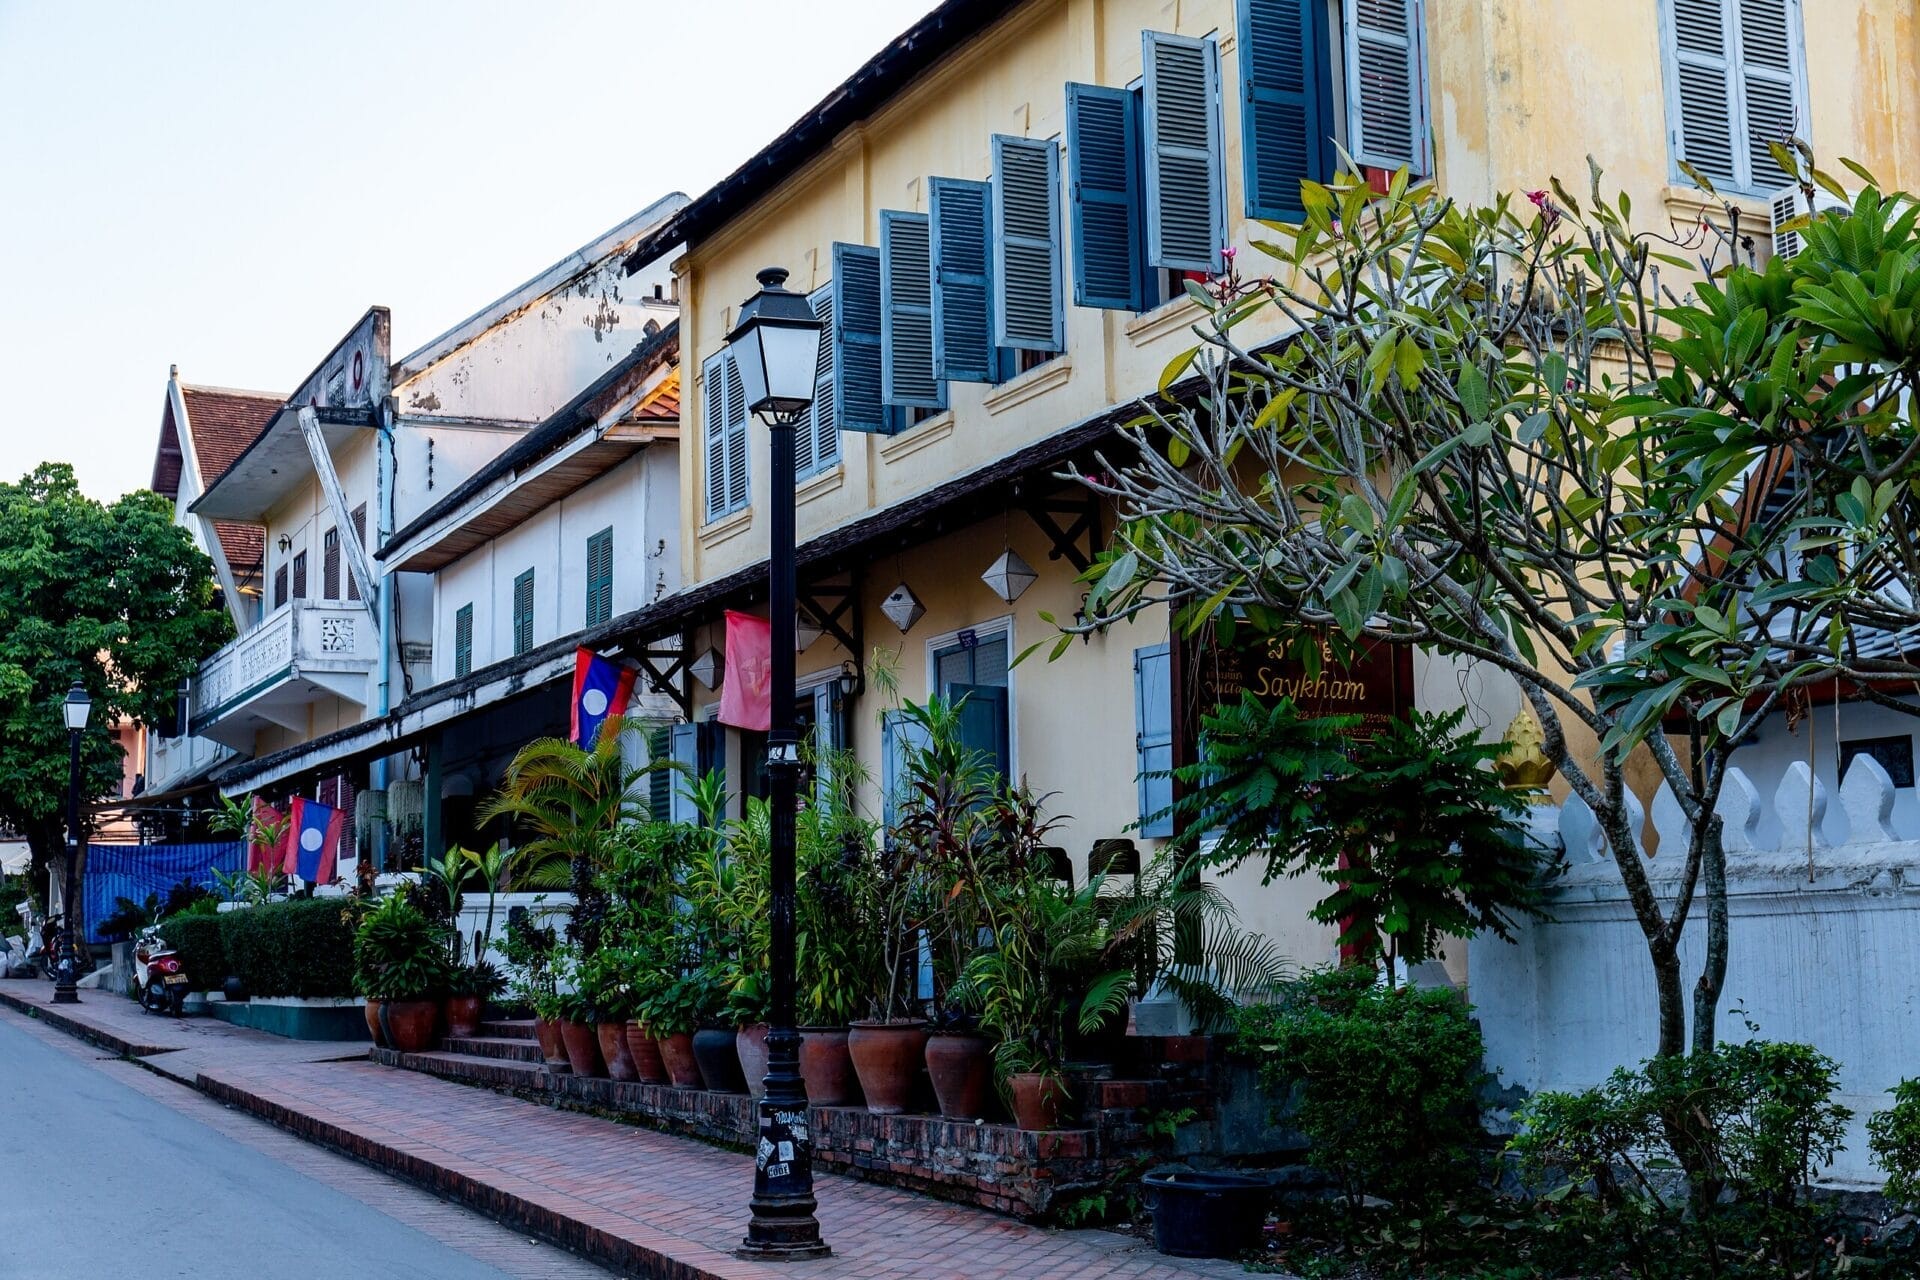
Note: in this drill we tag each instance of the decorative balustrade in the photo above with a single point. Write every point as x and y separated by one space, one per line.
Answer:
304 650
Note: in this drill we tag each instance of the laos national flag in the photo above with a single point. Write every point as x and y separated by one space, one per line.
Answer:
315 845
600 691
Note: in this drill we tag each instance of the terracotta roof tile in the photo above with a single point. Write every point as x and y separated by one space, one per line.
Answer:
224 422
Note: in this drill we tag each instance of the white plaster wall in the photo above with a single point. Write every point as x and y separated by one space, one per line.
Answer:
1815 742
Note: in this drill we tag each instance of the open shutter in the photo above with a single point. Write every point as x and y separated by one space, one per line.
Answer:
683 748
1770 107
1386 83
1025 237
300 576
1153 737
1186 212
279 586
907 376
899 735
1103 177
330 564
713 432
984 727
599 577
1286 115
360 536
829 735
961 245
818 443
736 437
1703 88
463 641
856 338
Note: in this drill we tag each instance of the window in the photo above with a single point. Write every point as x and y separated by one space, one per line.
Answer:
723 429
1153 737
523 612
907 374
1025 239
463 641
279 586
971 673
600 577
330 565
359 536
960 249
1735 82
300 576
816 441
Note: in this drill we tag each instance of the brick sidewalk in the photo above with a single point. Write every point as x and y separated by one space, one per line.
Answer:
640 1201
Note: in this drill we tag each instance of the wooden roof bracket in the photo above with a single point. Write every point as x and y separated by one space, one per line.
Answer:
1080 509
836 607
670 671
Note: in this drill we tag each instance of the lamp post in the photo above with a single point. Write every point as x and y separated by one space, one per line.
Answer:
775 346
76 709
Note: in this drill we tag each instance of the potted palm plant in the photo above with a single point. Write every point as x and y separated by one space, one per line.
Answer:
529 949
400 965
836 939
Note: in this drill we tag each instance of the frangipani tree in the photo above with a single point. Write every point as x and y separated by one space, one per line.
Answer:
1467 442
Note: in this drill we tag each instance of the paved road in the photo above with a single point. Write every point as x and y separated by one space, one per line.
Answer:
102 1174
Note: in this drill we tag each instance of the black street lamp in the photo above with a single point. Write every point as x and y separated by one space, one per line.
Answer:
76 709
775 346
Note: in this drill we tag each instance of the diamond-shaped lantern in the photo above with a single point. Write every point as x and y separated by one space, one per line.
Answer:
706 668
1009 576
806 629
903 608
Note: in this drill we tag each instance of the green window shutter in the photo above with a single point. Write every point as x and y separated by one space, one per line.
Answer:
1735 82
1286 97
713 432
907 376
463 641
960 246
660 782
600 577
1103 197
1153 737
523 612
1386 83
818 441
856 338
1025 235
1186 212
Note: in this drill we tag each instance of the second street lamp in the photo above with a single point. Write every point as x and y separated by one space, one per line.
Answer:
75 709
775 347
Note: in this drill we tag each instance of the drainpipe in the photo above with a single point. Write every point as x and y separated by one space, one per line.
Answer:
384 470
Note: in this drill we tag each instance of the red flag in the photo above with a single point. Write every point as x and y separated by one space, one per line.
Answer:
262 856
746 697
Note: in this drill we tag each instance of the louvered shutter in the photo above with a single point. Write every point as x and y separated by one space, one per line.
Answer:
1186 214
683 745
736 436
907 376
1702 87
1769 101
523 612
1027 311
713 432
330 564
360 536
822 422
960 248
1736 87
279 586
1286 115
856 338
1386 83
900 736
1153 737
1103 178
599 577
300 576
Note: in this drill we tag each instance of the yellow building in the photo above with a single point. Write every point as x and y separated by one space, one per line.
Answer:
995 216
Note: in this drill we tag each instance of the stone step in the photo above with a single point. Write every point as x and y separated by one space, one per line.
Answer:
508 1048
499 1072
510 1029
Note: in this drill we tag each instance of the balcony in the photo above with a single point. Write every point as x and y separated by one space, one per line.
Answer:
172 761
304 652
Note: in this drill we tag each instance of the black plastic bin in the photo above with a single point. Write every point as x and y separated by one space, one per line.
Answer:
1206 1215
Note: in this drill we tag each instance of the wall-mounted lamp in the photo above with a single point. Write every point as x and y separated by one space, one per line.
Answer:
285 543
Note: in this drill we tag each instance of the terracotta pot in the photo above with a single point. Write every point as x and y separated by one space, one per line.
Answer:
552 1051
751 1044
1037 1100
613 1050
719 1061
410 1024
961 1064
887 1057
463 1016
676 1054
373 1023
645 1052
827 1067
583 1048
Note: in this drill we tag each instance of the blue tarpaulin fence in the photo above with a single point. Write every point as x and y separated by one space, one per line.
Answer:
133 871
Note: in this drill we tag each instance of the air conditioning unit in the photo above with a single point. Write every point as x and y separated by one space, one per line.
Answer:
1785 206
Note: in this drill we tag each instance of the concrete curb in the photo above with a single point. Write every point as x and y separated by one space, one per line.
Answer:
53 1016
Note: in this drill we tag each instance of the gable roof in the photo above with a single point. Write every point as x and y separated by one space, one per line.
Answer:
222 422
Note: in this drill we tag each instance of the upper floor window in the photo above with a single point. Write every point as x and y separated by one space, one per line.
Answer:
300 576
723 434
463 640
279 586
816 442
359 518
330 565
1736 81
600 577
523 613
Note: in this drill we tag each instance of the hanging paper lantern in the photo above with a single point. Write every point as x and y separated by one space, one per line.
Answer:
706 668
903 608
806 629
1009 576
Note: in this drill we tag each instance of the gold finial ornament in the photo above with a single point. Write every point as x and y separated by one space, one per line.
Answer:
1524 765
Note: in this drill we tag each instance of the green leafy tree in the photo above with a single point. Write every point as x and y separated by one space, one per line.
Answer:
114 595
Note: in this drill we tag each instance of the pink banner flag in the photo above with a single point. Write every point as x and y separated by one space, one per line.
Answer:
746 698
262 856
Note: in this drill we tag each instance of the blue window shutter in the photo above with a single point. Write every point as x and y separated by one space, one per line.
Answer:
961 247
907 375
736 437
713 432
829 733
1025 235
1386 83
984 727
856 338
899 735
1153 740
822 422
683 747
1286 111
1103 180
1186 210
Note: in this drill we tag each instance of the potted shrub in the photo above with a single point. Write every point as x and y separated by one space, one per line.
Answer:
669 1007
835 937
470 987
529 949
400 960
605 986
576 1016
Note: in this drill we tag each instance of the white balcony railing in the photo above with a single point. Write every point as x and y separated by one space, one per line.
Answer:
173 760
301 652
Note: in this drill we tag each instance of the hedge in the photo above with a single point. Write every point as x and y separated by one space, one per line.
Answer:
302 947
197 940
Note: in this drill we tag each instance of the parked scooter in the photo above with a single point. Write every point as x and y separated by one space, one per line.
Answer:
158 974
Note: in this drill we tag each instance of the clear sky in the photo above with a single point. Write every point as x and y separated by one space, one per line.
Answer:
228 186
